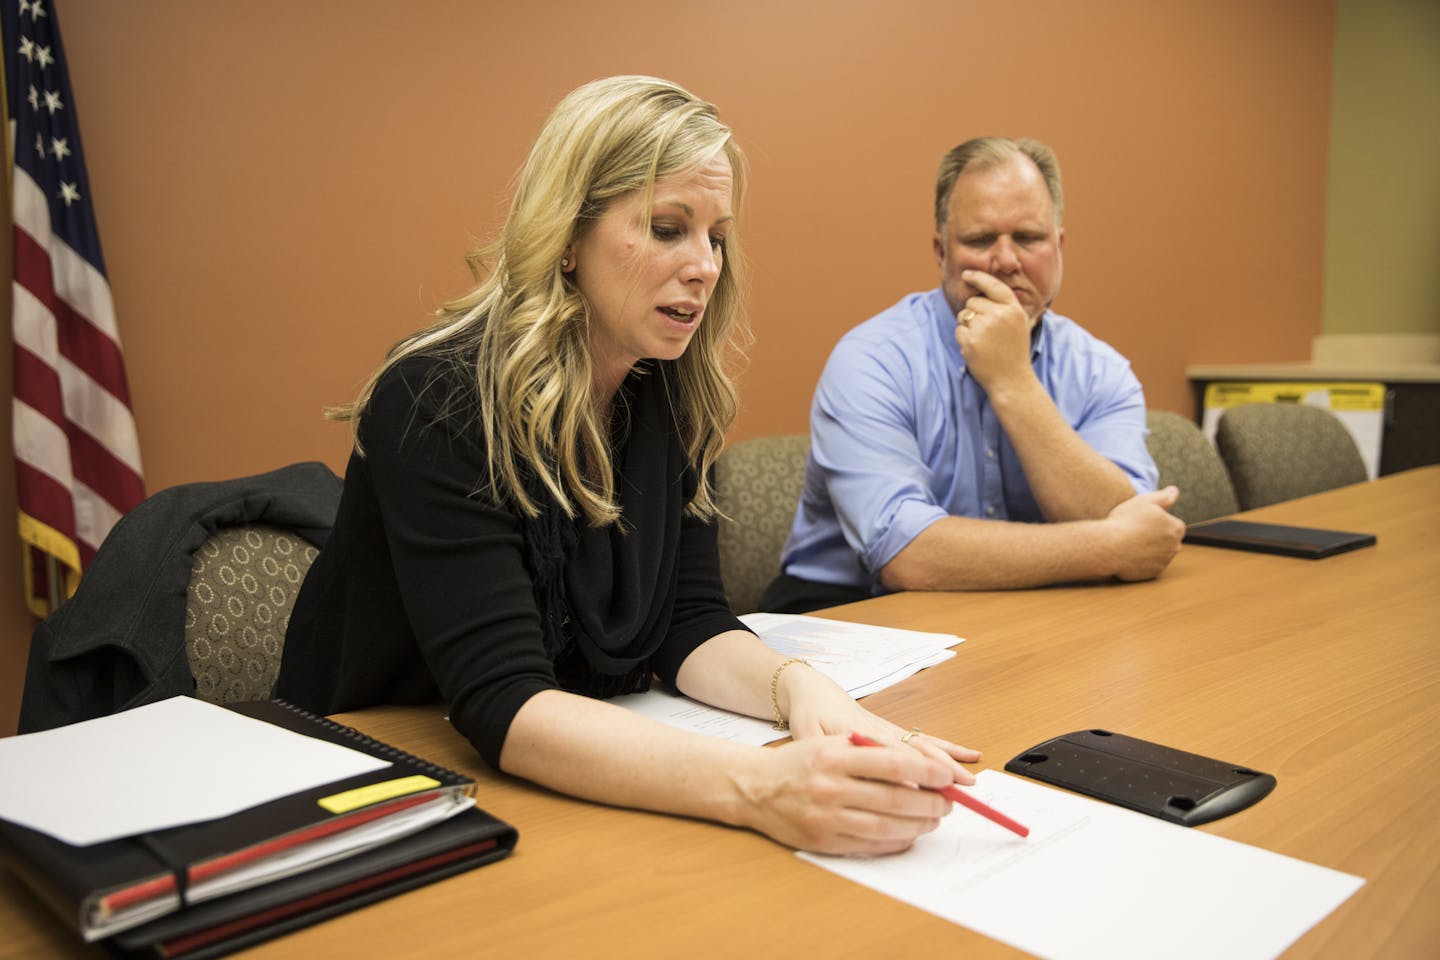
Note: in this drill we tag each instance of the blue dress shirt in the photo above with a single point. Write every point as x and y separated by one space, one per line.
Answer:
901 436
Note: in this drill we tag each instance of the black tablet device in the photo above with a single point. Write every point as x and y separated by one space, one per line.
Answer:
1309 542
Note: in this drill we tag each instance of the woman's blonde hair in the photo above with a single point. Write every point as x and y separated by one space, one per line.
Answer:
525 327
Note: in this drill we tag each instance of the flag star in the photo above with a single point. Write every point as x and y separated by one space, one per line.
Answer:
52 101
27 47
69 193
40 145
60 147
43 54
24 7
34 98
37 10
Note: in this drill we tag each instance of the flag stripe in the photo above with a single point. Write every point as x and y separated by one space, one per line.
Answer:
61 448
34 327
90 295
63 392
100 414
90 348
43 394
98 469
40 442
45 499
93 519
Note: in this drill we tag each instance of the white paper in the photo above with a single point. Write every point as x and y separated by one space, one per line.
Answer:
1095 881
162 765
337 846
680 711
859 657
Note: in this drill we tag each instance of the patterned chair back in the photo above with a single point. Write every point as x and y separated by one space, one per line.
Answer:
242 588
1189 461
757 484
1280 451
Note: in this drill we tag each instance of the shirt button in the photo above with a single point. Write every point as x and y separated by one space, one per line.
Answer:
990 452
990 510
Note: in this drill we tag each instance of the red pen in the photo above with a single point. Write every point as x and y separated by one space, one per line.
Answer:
958 795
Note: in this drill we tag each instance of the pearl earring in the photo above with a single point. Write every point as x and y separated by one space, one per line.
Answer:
565 264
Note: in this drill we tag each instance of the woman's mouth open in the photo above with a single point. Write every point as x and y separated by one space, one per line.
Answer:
686 316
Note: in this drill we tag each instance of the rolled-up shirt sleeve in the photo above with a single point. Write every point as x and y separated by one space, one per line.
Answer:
864 441
1114 427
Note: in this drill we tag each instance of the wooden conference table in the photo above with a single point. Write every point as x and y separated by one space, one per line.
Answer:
1325 673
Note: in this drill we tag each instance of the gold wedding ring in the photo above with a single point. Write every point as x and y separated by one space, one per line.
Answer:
966 316
914 732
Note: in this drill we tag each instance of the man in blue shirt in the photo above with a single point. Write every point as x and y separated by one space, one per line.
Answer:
969 438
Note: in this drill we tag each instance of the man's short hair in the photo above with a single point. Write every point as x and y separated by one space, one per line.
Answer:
985 152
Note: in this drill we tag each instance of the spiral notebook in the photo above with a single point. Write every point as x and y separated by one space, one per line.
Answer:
108 887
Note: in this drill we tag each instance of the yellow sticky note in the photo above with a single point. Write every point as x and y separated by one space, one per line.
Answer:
376 792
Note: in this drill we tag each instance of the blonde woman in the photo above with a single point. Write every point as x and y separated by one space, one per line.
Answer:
527 529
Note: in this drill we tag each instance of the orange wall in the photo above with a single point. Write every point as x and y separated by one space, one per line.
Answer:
284 189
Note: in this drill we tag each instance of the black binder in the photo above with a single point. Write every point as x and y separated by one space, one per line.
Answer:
218 927
105 888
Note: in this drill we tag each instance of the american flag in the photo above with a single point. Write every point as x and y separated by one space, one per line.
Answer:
77 457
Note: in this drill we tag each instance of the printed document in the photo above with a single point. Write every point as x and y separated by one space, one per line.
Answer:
1094 881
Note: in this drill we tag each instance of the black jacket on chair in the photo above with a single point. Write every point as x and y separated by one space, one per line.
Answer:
120 641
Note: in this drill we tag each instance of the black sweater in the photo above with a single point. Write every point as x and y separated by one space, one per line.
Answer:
426 585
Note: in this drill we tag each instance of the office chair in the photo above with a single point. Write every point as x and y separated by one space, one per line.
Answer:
189 594
1280 451
1189 461
237 606
757 484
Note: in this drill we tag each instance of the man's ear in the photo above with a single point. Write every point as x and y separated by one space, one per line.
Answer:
938 244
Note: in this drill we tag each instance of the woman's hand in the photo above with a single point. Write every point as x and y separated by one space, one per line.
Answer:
821 792
817 706
826 795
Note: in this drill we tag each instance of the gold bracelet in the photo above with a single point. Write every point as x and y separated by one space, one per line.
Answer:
780 722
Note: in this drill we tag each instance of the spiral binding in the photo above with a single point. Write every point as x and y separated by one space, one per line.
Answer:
379 748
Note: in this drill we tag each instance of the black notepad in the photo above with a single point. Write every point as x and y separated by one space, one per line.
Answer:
1311 543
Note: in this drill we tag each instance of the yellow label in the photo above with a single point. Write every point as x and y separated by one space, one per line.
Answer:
1223 395
375 793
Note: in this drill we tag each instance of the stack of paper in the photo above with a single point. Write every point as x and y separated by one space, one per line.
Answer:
859 657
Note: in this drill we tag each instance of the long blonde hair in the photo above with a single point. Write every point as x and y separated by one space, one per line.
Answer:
525 327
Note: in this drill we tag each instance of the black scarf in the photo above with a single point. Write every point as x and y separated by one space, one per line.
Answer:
606 594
